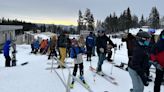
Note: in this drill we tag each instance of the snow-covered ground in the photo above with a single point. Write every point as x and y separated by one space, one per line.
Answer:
34 77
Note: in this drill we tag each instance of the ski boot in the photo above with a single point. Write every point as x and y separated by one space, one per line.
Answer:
82 79
72 84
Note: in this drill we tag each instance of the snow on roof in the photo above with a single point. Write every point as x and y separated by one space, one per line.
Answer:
74 36
45 35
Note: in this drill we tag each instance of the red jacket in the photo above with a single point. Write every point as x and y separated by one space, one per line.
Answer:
157 53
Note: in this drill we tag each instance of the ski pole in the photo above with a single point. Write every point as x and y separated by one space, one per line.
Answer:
113 60
52 63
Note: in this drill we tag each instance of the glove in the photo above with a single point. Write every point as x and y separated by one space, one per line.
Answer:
101 50
144 78
157 65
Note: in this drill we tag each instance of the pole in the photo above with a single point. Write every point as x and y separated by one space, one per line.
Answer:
113 60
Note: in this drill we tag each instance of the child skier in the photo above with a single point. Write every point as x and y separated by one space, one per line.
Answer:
76 54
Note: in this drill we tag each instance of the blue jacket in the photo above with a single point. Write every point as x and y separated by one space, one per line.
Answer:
6 48
36 44
76 50
90 41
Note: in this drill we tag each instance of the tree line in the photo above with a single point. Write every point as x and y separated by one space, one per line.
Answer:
125 21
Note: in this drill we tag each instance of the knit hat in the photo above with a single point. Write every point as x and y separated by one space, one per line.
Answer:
151 31
143 34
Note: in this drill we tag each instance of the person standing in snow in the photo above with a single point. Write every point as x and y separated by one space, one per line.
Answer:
157 58
76 53
129 39
36 46
6 53
90 42
109 51
138 65
62 45
101 43
53 43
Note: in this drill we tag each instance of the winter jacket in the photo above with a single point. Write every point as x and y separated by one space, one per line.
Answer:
53 43
140 61
62 41
90 42
43 44
101 42
157 53
36 44
6 48
76 53
129 43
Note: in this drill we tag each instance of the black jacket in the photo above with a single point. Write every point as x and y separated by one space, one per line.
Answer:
101 42
140 60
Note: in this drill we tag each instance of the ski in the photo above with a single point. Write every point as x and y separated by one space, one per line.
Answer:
49 68
56 63
122 68
105 76
84 83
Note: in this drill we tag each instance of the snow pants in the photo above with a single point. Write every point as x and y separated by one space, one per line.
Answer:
80 68
62 54
89 53
101 57
138 85
8 59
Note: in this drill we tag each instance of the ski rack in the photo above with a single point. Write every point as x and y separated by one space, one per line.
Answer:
67 85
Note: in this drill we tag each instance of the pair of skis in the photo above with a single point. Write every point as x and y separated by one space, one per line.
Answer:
105 76
83 81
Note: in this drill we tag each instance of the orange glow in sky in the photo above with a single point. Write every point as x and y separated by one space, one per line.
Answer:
57 22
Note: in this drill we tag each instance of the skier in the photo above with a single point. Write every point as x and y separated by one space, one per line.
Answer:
76 54
89 45
109 51
36 46
129 39
101 43
139 63
62 45
157 56
52 47
6 52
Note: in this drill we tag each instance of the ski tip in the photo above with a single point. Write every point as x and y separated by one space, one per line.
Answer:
115 83
25 63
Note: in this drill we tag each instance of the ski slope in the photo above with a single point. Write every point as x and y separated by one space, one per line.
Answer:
34 77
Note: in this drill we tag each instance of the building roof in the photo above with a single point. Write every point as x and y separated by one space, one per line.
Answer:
9 27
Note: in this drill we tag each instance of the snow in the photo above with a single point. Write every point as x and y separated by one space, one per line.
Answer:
34 77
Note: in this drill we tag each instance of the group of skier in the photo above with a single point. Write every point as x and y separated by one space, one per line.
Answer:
143 51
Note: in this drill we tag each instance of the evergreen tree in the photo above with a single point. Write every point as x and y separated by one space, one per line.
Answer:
80 21
128 19
135 21
142 21
89 20
154 18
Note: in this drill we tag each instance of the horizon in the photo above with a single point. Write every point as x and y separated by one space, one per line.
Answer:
63 12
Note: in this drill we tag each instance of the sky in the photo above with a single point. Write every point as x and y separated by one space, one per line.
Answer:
66 11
